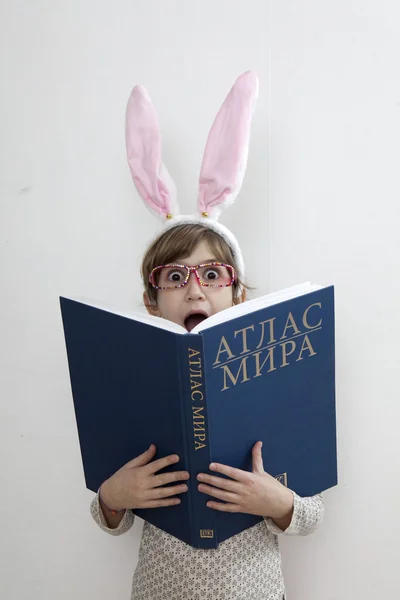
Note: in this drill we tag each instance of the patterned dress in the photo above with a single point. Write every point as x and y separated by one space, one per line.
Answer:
244 567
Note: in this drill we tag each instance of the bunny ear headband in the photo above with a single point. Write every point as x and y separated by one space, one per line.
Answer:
222 170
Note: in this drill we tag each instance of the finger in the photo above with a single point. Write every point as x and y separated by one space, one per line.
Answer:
144 458
219 482
165 478
223 507
217 493
166 492
258 465
161 463
158 503
236 474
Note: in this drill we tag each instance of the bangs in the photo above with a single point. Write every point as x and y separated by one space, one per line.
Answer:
183 240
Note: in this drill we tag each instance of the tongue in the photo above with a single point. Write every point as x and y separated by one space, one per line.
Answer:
193 320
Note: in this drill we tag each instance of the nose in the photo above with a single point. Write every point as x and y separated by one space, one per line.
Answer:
194 291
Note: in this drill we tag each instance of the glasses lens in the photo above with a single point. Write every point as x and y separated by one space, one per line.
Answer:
216 274
211 274
170 276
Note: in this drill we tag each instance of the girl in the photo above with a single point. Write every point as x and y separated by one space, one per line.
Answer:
193 270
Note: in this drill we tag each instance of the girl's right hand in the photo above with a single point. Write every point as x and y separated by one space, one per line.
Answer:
137 485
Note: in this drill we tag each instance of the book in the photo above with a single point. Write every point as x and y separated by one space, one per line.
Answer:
261 370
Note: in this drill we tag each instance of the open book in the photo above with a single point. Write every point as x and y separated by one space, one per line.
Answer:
261 370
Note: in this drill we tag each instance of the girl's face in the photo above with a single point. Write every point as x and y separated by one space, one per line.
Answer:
192 299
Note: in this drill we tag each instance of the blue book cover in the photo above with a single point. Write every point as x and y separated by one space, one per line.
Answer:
263 370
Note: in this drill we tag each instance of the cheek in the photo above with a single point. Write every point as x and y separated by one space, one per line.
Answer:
224 299
168 303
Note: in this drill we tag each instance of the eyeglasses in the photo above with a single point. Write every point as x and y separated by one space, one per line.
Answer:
213 274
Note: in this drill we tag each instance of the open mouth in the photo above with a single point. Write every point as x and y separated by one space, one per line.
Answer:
193 320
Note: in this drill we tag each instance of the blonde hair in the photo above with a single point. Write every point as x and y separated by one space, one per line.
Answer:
181 241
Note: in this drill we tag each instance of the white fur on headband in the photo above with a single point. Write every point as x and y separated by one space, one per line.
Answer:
223 166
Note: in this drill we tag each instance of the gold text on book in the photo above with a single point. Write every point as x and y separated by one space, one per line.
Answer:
197 398
262 350
207 533
282 478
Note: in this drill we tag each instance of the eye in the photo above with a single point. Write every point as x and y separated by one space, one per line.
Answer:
176 275
211 274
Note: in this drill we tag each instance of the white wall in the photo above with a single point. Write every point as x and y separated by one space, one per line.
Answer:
335 216
71 223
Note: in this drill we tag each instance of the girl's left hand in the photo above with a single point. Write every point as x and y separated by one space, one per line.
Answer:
256 493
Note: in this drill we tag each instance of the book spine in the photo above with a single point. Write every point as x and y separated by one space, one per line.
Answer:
194 408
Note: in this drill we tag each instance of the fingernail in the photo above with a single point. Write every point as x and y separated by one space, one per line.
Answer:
213 466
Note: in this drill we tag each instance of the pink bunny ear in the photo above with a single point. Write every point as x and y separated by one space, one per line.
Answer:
225 155
143 146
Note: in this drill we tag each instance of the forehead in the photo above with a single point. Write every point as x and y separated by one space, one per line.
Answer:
201 253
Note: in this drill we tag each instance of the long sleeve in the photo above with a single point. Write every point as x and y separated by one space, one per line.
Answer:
97 514
307 516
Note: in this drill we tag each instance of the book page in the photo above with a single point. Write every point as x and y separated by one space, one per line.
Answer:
221 317
256 304
131 314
